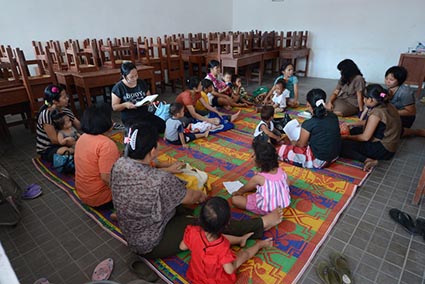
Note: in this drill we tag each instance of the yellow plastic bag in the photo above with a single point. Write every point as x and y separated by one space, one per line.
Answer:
195 179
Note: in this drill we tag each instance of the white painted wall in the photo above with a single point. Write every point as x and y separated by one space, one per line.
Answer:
22 21
371 32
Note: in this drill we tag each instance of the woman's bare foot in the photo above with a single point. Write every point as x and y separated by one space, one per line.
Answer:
272 219
369 164
206 133
234 116
114 217
244 238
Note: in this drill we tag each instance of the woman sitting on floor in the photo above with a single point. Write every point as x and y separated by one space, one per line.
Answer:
380 136
95 154
55 98
189 98
148 201
347 98
320 140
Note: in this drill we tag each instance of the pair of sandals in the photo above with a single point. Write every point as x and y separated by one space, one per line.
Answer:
412 227
335 272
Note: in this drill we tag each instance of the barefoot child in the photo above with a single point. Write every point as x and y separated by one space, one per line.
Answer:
271 183
278 96
265 130
67 134
212 260
240 93
174 130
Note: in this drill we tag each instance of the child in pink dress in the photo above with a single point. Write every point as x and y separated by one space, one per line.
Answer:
271 183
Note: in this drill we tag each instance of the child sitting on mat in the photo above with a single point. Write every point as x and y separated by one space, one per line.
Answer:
174 130
265 130
67 134
278 96
212 259
271 183
239 92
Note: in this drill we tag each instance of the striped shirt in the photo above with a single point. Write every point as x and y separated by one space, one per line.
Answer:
274 192
45 117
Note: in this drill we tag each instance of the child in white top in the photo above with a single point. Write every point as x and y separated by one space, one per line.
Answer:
287 71
278 96
265 130
272 190
67 134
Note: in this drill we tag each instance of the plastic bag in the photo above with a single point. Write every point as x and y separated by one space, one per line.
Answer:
64 163
163 111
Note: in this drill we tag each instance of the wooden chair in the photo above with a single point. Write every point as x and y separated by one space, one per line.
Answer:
193 51
415 66
293 46
156 59
265 42
81 60
35 79
57 55
174 65
420 189
13 95
238 53
112 55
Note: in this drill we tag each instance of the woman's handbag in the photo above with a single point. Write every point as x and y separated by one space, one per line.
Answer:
195 179
280 123
163 110
64 163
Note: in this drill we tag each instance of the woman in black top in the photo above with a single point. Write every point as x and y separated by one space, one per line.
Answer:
127 92
319 143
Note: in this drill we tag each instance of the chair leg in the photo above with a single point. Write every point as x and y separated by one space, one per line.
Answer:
420 190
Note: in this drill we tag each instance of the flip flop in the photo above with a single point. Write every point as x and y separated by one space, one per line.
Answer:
142 270
403 219
341 265
103 270
32 191
42 281
327 273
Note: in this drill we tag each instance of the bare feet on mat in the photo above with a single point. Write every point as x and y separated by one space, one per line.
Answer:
272 219
369 164
234 116
114 217
244 238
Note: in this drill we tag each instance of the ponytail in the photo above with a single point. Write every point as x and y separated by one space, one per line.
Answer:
316 98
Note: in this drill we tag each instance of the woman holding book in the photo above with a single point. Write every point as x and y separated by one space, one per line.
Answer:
319 142
128 94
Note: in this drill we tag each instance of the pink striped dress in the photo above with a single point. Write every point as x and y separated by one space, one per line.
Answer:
274 192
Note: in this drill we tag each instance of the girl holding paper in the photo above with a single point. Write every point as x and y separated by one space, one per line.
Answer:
319 142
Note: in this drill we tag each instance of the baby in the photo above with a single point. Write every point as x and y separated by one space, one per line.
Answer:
67 134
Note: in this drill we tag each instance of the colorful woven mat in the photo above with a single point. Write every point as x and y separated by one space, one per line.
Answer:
318 198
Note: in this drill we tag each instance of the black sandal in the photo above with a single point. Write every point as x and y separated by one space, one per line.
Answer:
404 219
420 227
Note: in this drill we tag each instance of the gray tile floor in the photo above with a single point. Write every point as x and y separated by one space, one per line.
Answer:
55 239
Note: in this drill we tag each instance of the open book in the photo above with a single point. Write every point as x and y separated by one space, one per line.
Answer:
146 100
293 130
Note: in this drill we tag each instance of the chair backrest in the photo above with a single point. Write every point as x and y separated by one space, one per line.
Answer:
35 78
80 59
9 70
114 52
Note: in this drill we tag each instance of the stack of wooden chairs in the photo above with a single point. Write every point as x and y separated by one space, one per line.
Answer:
173 57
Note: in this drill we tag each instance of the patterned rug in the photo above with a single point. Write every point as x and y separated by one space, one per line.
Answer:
318 198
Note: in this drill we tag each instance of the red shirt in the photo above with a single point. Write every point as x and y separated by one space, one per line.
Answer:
208 258
186 99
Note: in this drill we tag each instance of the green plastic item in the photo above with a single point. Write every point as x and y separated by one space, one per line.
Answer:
260 90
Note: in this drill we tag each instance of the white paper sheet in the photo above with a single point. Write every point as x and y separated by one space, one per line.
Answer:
232 186
293 130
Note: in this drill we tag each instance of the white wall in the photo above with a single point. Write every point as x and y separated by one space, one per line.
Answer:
371 32
22 21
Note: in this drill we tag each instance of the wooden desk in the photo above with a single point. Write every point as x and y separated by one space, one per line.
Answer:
415 66
101 78
244 60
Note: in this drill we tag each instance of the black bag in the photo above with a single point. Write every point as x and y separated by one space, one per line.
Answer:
10 199
280 123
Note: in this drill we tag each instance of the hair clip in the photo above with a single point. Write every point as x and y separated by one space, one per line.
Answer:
46 103
382 95
127 139
320 102
133 139
55 89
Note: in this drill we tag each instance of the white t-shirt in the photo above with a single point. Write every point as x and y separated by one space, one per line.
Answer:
281 99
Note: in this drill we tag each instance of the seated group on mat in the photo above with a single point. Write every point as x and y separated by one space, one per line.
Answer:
149 199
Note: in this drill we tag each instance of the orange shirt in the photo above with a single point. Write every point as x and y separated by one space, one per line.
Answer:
94 154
